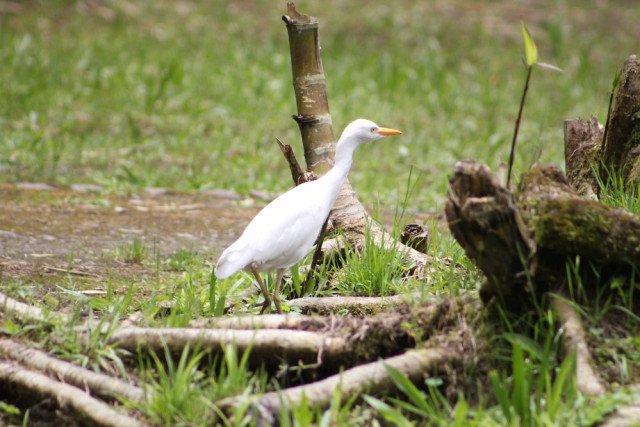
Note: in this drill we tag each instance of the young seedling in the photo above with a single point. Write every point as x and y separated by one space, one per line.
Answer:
531 59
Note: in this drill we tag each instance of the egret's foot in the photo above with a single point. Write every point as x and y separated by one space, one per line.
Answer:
266 304
276 300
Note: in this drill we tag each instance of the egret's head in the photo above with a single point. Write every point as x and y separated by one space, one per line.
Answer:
366 130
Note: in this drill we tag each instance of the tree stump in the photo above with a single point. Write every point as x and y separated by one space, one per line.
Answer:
618 156
622 145
521 242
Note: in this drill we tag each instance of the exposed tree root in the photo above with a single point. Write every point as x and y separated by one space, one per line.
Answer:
269 346
371 378
626 416
356 306
99 384
328 342
29 382
265 321
10 306
574 340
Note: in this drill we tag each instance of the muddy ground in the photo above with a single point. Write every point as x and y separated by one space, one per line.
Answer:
44 230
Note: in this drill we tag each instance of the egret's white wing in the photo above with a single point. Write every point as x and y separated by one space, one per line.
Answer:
280 234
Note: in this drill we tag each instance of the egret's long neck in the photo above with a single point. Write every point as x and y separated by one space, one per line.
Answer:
338 174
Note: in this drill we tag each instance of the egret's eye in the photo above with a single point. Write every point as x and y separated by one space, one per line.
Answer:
374 129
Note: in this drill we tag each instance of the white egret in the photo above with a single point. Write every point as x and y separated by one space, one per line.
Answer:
286 229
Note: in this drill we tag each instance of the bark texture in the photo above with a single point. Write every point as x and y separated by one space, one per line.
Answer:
582 147
524 240
574 340
99 384
484 219
622 144
371 378
38 384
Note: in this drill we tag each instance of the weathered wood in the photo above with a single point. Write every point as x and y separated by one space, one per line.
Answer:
99 384
484 219
574 340
565 224
93 411
582 143
372 378
622 144
309 84
299 176
525 241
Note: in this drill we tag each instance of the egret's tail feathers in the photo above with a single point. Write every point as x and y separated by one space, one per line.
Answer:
229 263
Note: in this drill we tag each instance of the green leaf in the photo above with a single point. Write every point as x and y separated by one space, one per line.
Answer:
530 49
502 394
389 413
405 385
616 80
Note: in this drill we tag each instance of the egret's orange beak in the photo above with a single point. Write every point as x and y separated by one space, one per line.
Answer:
388 132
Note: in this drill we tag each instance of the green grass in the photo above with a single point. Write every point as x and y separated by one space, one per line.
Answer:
373 270
183 393
190 96
616 194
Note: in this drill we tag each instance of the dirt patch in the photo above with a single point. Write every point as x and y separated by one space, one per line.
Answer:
44 232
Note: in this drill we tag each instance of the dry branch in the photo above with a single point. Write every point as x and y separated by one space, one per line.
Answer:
329 343
67 396
574 340
99 384
299 176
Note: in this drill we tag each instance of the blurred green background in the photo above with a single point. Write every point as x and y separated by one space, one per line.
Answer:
190 94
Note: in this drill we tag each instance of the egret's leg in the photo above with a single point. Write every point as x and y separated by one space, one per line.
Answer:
263 288
276 292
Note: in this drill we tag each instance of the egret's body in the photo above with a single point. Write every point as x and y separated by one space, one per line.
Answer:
285 231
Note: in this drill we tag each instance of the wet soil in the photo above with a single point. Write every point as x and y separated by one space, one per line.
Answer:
44 232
